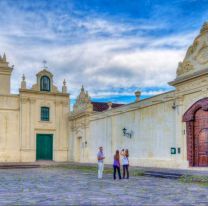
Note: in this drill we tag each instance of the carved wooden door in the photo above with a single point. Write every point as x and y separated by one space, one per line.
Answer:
201 138
203 148
196 118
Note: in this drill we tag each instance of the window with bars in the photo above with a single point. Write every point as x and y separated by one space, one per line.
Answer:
44 113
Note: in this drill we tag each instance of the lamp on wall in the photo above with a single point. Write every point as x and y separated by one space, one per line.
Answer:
126 133
124 130
174 106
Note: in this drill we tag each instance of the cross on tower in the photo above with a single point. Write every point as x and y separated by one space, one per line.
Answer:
44 64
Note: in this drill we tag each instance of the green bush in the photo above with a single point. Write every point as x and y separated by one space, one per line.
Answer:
202 180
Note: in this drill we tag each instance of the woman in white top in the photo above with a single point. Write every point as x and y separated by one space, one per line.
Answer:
125 163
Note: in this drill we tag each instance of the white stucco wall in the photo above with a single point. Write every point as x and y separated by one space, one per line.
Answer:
153 134
9 128
156 126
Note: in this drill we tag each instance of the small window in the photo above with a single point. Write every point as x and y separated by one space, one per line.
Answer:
45 84
44 113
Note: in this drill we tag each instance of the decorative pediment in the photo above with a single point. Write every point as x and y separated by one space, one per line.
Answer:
202 55
44 72
184 67
44 84
49 75
196 58
83 102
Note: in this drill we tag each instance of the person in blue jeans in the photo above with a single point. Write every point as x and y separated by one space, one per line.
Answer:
125 163
116 165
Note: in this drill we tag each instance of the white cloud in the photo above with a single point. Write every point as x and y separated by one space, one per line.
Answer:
76 50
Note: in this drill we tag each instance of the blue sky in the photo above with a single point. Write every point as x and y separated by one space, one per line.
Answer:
112 47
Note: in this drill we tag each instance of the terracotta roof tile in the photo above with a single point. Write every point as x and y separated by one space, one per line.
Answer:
102 106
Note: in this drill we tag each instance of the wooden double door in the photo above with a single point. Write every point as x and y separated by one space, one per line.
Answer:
203 148
201 138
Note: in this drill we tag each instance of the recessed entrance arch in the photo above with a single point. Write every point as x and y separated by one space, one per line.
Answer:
196 118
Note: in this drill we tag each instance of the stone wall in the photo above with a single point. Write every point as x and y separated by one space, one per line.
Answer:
9 128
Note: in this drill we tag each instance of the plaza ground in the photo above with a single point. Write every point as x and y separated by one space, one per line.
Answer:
64 186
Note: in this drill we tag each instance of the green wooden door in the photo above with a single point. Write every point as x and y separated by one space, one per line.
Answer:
44 147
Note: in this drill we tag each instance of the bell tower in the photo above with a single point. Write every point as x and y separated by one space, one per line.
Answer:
5 75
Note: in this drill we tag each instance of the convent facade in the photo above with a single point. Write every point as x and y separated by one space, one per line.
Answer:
167 130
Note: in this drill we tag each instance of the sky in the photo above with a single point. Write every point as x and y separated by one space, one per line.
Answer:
112 47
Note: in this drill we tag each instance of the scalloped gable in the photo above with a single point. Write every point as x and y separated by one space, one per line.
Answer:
83 102
196 58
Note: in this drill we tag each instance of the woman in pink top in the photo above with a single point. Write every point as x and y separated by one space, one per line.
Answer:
116 165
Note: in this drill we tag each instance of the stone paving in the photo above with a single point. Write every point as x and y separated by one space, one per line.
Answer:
59 186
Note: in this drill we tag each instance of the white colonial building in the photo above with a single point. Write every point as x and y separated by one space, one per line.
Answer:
34 123
167 130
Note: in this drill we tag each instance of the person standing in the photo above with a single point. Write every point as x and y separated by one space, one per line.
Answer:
125 163
100 158
116 165
122 156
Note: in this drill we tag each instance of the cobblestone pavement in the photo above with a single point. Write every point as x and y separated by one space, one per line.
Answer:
58 186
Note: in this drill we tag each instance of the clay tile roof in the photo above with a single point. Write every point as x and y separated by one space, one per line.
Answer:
102 106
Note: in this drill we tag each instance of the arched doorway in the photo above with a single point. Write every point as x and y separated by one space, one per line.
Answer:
196 118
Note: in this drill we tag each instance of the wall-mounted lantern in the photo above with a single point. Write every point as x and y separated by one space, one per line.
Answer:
174 106
126 133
